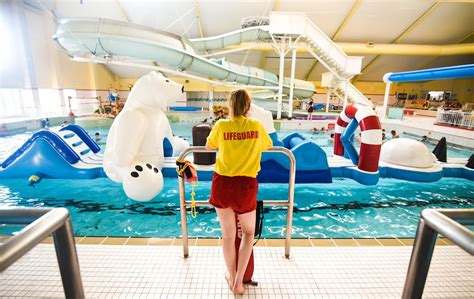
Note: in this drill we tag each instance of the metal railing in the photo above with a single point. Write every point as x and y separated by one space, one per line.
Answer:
183 203
447 222
455 118
41 223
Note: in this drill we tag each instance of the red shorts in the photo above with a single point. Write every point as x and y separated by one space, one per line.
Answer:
238 193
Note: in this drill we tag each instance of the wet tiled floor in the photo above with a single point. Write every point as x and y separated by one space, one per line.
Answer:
351 270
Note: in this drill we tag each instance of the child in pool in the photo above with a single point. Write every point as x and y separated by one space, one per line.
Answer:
240 142
394 134
331 138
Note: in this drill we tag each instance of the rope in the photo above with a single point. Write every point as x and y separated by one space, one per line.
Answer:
193 202
180 170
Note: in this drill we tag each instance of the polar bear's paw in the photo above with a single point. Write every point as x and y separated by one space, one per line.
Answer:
143 182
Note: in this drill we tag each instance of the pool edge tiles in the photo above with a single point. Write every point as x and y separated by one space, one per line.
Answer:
263 242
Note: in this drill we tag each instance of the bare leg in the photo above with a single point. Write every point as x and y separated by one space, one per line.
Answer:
227 222
247 222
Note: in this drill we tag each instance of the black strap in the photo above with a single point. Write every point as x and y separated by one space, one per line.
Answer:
187 173
260 215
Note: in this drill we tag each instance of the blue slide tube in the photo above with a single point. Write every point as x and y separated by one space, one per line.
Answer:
451 72
347 141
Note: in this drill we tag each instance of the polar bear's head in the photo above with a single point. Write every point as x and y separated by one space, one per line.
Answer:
155 90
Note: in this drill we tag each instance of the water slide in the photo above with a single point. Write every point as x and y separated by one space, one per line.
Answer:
108 39
69 153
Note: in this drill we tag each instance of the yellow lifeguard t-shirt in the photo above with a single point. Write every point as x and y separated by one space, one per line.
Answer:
240 142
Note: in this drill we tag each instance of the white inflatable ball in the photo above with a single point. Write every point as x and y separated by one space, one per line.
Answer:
143 182
407 152
179 145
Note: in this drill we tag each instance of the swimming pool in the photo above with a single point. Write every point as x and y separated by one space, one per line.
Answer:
183 129
339 210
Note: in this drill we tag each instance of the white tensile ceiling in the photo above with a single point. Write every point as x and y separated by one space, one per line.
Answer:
379 21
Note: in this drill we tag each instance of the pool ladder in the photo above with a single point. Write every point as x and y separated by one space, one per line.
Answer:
183 203
41 222
447 222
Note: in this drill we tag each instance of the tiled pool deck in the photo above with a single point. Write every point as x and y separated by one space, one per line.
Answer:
318 268
261 243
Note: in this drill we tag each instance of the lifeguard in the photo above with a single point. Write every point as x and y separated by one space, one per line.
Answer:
240 142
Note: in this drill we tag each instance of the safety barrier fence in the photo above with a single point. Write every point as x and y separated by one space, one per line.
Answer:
455 118
40 224
447 222
183 203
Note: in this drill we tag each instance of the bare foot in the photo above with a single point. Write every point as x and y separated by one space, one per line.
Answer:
230 281
239 288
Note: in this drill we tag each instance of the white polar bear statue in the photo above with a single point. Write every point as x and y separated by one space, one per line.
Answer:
264 116
134 151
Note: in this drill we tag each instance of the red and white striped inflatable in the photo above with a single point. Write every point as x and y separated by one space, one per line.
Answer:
371 135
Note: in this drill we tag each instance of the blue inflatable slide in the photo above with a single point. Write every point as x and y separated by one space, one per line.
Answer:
311 162
69 153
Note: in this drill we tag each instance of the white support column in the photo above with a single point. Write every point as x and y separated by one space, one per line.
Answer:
386 79
292 82
211 101
62 100
385 100
344 103
280 79
328 96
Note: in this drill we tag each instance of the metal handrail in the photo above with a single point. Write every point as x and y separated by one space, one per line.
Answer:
183 203
447 222
41 223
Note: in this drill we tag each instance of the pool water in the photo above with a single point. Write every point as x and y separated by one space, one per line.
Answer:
343 209
339 210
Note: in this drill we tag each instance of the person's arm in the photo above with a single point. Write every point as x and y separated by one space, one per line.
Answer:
213 138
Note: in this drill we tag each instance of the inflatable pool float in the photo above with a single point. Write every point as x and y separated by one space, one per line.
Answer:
69 153
367 160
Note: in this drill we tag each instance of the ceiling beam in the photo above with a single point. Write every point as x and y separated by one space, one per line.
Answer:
276 5
456 1
409 29
197 12
433 59
346 20
366 49
338 32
